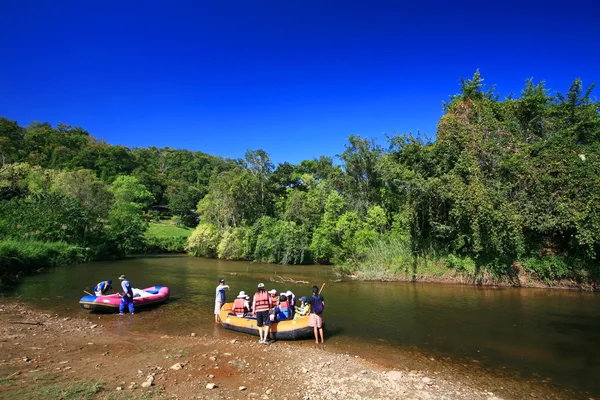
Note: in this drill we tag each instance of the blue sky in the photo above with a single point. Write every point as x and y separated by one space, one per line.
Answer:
294 78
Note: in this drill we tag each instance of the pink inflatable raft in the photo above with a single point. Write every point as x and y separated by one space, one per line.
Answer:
151 296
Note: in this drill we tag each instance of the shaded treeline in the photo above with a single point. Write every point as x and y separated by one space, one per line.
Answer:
509 188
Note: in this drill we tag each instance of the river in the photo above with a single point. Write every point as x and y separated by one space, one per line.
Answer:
548 335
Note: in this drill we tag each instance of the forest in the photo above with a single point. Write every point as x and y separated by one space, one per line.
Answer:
509 191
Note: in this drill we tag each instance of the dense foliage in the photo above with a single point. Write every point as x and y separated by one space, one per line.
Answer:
508 188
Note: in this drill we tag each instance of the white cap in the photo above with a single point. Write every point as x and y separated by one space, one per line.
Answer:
261 285
273 291
242 295
288 293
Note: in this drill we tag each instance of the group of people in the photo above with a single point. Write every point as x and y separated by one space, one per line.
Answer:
270 307
102 288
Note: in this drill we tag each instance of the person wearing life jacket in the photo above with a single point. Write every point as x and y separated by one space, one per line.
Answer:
260 308
303 309
241 306
291 298
283 310
273 299
102 288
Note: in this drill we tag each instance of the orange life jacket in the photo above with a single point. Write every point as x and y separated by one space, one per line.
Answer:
238 307
261 301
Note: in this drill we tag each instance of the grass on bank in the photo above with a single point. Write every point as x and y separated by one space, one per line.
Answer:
164 229
164 237
23 256
48 387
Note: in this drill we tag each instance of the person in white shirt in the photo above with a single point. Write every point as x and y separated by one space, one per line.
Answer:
220 298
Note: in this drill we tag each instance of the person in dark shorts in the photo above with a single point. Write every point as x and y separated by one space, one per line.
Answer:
260 308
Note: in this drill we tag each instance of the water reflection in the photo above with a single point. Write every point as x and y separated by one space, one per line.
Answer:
536 332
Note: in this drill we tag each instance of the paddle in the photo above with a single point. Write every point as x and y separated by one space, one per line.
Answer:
88 293
322 286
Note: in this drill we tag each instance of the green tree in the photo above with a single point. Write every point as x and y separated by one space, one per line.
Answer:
126 221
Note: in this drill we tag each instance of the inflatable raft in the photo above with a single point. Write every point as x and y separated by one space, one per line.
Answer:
283 330
141 298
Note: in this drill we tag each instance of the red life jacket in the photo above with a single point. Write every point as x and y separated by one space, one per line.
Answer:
261 301
273 301
238 307
284 304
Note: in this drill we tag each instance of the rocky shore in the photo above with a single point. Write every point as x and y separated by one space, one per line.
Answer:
48 357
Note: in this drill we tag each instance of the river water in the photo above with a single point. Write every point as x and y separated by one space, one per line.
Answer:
546 335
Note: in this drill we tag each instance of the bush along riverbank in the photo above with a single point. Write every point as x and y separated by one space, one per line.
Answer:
391 260
19 257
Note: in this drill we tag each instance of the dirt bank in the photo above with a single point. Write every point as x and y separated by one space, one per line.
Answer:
45 356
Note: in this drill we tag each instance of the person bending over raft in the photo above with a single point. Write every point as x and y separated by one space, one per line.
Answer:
103 287
241 305
260 308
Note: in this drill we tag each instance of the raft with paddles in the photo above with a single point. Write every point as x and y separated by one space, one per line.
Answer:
151 296
293 329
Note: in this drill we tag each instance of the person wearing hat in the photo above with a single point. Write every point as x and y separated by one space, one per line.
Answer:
241 305
291 298
303 309
103 287
126 296
260 309
273 298
220 298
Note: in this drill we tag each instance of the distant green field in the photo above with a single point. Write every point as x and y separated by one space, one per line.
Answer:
165 230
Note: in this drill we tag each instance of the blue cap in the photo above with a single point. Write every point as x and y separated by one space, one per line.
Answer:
303 298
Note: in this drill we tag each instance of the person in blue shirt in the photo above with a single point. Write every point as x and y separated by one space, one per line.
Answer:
126 296
103 287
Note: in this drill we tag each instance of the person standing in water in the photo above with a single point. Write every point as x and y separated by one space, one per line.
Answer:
220 298
126 296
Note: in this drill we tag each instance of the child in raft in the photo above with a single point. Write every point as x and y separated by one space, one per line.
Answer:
303 309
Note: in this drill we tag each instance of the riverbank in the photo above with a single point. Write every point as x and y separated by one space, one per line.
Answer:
61 357
522 280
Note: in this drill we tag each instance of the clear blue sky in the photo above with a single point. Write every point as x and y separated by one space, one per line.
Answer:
294 78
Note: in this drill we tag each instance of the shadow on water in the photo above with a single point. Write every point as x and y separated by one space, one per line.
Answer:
531 332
